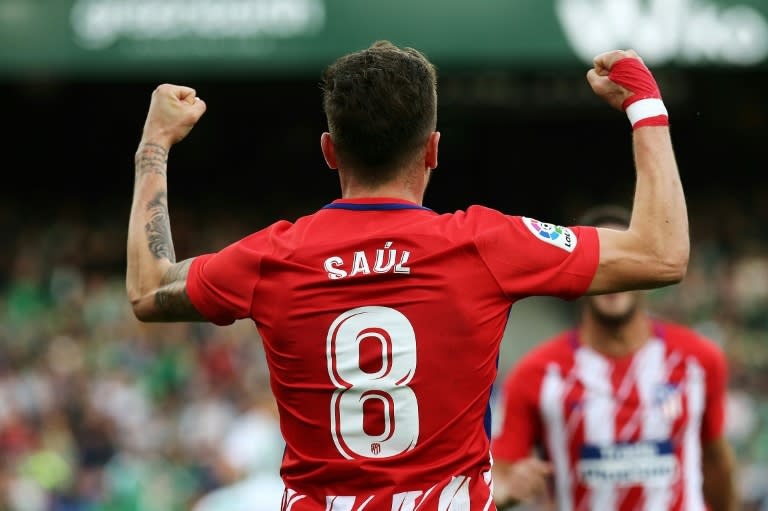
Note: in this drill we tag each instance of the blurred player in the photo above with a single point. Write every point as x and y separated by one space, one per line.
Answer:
380 318
626 409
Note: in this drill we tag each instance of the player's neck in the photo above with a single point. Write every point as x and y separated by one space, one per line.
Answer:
615 340
382 192
407 186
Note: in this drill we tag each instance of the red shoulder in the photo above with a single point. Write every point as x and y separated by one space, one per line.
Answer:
474 219
692 343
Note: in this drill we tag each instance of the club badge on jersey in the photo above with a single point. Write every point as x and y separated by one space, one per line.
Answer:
557 235
667 397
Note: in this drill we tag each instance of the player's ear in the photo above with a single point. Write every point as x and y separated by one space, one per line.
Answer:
329 153
430 155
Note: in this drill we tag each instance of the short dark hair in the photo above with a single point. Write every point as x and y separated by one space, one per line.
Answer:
607 214
381 106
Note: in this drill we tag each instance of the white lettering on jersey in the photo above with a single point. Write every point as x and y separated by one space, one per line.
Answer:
379 266
386 260
388 386
401 268
557 235
332 267
360 264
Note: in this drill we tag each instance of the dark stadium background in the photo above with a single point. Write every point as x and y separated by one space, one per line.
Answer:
523 142
525 139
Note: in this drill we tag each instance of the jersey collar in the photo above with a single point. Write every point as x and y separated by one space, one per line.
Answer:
374 204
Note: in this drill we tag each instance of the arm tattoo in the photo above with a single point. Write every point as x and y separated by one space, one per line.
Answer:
158 229
171 297
151 159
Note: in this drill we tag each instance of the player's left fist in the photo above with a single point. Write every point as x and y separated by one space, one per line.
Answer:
599 77
173 112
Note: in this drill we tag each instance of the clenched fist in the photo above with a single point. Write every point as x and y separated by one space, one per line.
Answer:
622 79
173 112
598 77
521 481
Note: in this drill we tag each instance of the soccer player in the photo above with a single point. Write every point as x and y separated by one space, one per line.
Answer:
381 319
624 410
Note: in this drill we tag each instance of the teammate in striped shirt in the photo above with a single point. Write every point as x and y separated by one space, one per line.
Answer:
623 412
380 318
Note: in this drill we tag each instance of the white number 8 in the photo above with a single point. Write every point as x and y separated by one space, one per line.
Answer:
386 386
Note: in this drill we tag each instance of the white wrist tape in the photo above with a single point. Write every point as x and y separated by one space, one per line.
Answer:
644 109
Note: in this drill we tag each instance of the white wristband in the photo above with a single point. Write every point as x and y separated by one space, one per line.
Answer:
644 109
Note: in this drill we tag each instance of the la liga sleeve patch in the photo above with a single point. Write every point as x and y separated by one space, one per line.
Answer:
557 235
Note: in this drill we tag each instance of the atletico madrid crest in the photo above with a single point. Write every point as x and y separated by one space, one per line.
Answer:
668 399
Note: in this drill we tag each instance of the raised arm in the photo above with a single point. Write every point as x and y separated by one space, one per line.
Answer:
155 282
654 251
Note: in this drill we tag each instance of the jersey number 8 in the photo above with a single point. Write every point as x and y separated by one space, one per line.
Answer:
374 414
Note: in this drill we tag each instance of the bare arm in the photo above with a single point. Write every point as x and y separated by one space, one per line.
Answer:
155 282
718 468
522 481
654 250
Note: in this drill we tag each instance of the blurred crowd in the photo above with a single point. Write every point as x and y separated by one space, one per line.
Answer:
101 412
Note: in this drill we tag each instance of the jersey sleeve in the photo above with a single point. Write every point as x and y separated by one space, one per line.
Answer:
716 378
221 285
532 258
521 422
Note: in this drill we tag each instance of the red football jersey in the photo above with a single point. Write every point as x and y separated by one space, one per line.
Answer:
622 433
381 322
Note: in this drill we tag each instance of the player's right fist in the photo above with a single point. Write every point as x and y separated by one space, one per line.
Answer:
624 82
173 112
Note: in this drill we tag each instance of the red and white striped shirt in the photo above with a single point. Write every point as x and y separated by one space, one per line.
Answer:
621 433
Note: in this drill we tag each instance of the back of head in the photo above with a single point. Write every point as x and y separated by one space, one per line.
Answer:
607 215
381 106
